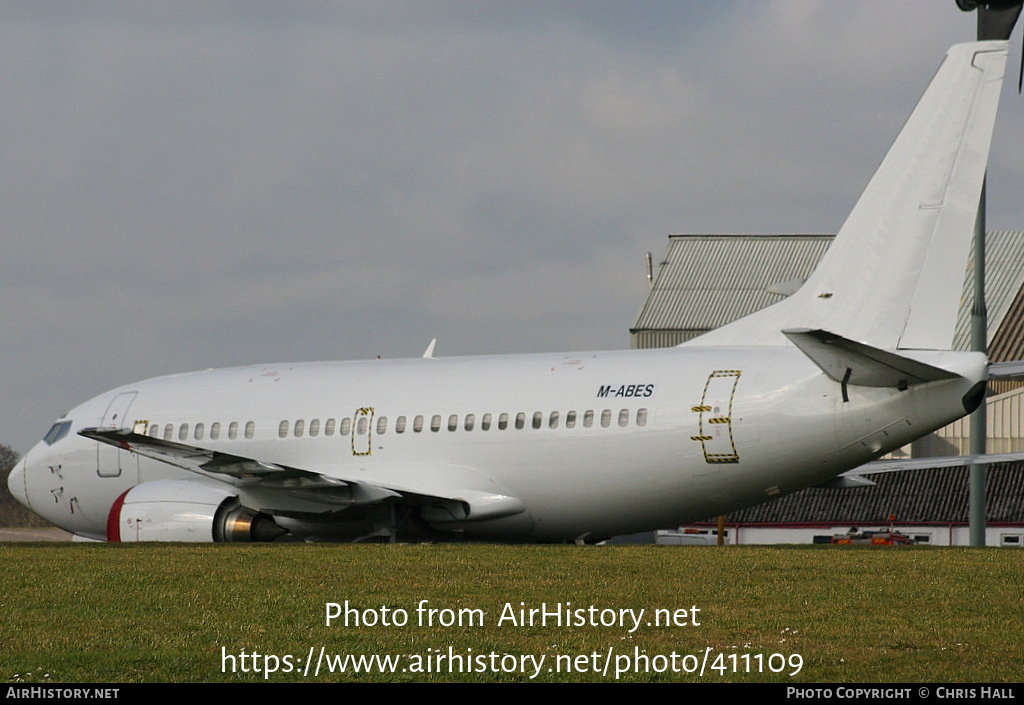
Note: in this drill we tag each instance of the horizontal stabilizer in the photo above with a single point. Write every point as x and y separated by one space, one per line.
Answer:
856 477
1013 369
849 362
847 481
942 461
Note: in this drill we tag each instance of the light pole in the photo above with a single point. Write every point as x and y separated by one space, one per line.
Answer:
996 19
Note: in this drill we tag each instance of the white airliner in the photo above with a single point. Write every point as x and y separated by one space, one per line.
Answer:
576 446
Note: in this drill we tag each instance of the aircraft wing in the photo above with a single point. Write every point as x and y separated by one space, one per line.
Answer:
450 494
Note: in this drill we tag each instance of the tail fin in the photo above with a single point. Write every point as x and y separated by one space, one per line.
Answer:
893 276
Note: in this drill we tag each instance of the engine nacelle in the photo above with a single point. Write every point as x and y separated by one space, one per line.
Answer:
183 510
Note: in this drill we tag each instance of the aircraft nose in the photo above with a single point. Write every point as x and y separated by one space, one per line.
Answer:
16 482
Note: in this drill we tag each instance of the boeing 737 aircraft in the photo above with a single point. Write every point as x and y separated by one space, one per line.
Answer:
577 446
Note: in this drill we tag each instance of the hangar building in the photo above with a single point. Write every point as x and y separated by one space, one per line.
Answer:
706 281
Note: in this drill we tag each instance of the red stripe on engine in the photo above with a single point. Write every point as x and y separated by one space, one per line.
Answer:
114 518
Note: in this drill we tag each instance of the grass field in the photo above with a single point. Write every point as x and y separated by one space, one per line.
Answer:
108 613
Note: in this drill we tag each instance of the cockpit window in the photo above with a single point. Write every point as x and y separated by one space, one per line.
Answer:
56 432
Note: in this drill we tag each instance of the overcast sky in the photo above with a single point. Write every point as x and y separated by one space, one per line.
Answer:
190 185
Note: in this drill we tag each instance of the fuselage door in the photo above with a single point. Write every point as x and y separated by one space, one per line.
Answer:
714 420
362 431
108 458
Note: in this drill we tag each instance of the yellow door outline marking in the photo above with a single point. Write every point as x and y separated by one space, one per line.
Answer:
365 412
713 441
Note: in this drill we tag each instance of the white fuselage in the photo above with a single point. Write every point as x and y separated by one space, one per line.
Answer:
592 444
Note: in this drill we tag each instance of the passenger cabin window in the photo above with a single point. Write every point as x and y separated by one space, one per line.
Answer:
588 418
623 417
502 422
570 419
400 424
520 420
417 424
606 418
199 431
314 427
183 432
453 422
233 430
282 429
300 428
329 427
641 417
538 418
485 423
435 423
470 420
250 429
346 425
214 431
154 430
382 425
553 420
168 432
362 425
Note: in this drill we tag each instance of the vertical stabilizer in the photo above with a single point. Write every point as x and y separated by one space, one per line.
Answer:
893 276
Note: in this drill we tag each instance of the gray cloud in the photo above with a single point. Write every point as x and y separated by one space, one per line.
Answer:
188 185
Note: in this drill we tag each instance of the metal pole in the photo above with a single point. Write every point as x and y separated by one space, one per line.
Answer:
979 342
996 19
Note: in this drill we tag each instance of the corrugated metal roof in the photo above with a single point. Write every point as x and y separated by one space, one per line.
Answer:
1004 277
1008 341
918 496
706 281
